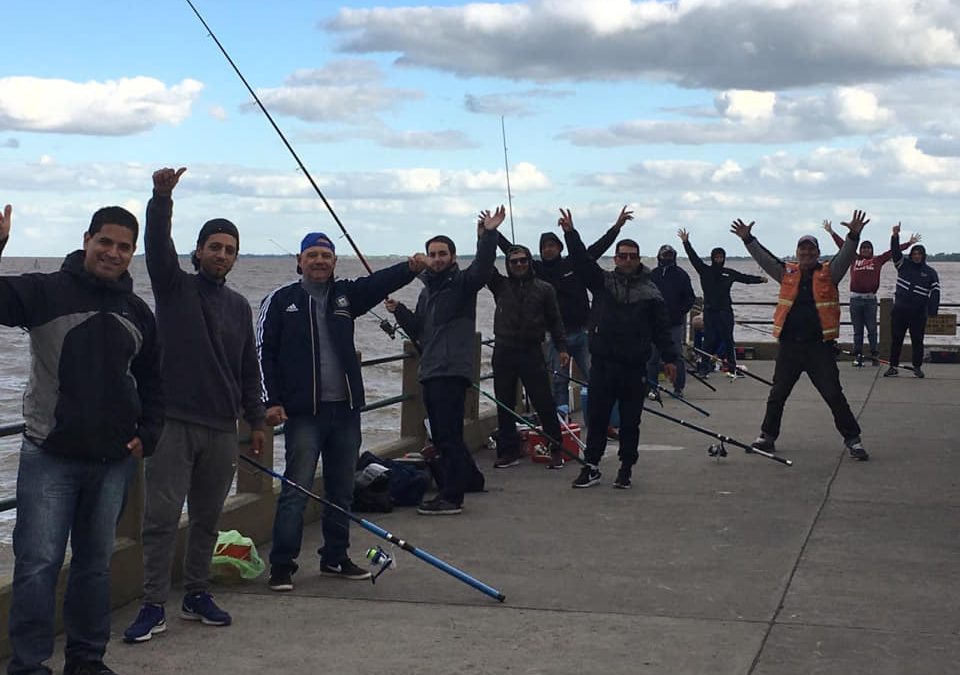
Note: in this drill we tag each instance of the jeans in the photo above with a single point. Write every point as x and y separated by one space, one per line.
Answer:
527 365
863 314
819 361
444 399
903 319
610 384
718 338
59 497
333 434
579 350
653 365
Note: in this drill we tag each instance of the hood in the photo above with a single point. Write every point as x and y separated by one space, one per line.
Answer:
518 248
550 236
715 251
923 252
73 265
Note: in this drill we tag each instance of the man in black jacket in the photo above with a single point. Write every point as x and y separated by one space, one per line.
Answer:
93 404
526 310
312 383
572 298
715 282
628 315
443 325
210 377
677 291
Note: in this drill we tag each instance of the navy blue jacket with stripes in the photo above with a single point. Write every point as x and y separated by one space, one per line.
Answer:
918 285
287 341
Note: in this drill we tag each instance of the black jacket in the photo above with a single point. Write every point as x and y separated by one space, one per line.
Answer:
716 280
95 373
288 345
676 289
628 314
918 285
526 310
210 369
445 321
571 291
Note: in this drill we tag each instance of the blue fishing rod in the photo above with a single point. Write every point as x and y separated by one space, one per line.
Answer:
384 534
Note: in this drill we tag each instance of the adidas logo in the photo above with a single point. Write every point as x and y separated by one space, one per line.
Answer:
292 308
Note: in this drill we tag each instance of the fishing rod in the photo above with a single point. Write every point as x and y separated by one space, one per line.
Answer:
714 450
739 369
283 138
659 389
384 534
506 166
695 375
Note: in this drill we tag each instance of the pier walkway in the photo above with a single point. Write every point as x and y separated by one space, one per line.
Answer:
737 566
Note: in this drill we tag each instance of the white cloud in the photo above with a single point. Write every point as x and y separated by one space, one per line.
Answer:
217 112
111 108
513 104
749 44
447 139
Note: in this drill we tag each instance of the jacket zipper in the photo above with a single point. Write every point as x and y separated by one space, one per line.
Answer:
313 349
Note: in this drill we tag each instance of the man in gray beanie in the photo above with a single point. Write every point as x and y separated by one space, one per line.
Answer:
211 377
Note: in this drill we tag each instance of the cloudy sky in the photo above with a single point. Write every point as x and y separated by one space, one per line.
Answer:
693 112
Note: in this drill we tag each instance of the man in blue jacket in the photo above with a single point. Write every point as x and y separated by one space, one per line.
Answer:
443 325
677 291
917 297
312 383
92 405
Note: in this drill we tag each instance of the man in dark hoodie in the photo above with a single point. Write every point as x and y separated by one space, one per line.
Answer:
572 298
917 297
715 282
312 383
628 315
210 377
526 310
677 291
443 325
92 405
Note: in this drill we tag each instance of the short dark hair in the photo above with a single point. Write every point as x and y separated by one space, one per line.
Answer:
443 239
626 242
114 215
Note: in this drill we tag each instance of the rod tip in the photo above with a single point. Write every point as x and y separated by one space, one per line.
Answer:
501 597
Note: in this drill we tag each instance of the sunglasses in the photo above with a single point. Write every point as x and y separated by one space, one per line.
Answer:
519 261
628 256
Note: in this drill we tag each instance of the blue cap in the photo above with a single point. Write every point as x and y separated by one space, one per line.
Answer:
317 239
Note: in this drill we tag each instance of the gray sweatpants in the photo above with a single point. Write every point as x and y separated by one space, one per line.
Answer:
193 462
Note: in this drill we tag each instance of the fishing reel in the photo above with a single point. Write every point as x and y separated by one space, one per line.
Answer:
717 450
388 328
380 559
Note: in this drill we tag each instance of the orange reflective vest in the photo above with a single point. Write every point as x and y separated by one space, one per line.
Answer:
826 296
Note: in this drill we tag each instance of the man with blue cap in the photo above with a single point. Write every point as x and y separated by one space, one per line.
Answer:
312 384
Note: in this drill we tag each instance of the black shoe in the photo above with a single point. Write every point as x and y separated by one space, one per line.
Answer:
589 476
281 580
506 462
764 443
858 361
891 372
857 452
86 668
918 373
345 569
439 507
622 481
556 460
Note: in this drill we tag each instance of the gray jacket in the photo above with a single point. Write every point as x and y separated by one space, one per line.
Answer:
772 265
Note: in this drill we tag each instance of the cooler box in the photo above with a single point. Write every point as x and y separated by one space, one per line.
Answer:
538 449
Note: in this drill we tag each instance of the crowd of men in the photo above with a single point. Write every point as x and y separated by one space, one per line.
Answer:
110 383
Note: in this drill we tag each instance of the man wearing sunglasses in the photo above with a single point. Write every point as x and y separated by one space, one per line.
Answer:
526 309
629 315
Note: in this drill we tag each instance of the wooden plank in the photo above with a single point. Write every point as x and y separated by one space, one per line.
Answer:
942 324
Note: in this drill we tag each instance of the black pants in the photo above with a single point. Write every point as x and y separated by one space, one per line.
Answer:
903 319
511 364
718 330
615 383
818 359
444 399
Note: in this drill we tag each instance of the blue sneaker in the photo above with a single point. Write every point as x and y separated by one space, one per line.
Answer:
149 622
201 607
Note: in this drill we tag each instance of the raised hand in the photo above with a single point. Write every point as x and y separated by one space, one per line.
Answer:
417 263
683 234
492 222
914 238
896 230
164 180
623 218
828 226
741 229
858 222
391 305
565 221
5 220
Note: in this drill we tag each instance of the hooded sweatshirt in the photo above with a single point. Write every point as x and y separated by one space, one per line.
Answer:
675 287
865 272
716 280
526 308
918 285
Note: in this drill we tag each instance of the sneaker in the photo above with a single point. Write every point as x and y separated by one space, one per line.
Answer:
150 621
857 452
589 476
86 668
857 361
556 460
764 443
678 393
506 462
201 607
281 580
622 481
891 372
439 506
918 373
345 569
